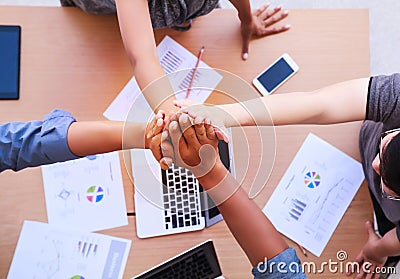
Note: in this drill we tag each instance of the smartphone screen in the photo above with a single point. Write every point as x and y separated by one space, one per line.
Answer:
275 75
10 37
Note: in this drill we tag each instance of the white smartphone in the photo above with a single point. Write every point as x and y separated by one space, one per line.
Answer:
276 74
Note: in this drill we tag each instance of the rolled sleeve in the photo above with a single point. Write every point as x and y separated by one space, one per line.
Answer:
383 104
54 136
283 266
34 143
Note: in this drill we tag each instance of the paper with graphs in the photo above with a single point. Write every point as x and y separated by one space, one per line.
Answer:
314 193
44 251
85 194
178 63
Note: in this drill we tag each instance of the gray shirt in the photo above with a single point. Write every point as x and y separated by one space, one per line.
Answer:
383 113
163 13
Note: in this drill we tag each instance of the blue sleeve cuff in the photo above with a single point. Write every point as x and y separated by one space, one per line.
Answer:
284 265
54 136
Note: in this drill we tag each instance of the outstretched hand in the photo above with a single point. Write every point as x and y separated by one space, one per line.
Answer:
261 25
367 259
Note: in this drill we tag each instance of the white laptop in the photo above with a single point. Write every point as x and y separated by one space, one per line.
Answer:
179 206
198 262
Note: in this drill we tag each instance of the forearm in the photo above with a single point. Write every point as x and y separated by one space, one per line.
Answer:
250 227
341 102
137 34
94 137
244 9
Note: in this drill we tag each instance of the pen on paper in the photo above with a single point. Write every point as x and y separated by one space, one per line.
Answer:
302 249
194 71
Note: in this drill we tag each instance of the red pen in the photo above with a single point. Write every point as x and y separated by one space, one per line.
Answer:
194 71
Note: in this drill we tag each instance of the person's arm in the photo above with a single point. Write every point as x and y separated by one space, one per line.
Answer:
251 228
196 149
94 137
257 23
376 251
60 138
338 103
34 143
137 34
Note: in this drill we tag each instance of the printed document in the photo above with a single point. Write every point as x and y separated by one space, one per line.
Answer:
178 63
86 193
47 252
314 193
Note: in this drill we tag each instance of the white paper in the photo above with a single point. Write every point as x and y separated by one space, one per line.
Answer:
85 194
47 252
178 63
314 193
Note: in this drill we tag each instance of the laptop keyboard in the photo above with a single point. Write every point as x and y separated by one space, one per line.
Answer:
196 266
181 198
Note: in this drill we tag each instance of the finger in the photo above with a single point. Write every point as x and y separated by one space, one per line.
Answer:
175 134
245 46
275 30
155 147
188 131
179 103
370 229
376 276
200 130
269 12
369 274
261 10
168 155
192 112
210 132
160 114
166 163
360 275
274 19
158 127
359 259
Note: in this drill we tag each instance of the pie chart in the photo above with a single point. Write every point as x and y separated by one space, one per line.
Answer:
94 194
77 277
312 179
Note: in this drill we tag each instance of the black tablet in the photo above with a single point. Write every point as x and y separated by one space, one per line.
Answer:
10 49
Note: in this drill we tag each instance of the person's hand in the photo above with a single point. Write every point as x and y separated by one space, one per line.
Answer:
215 116
195 147
367 259
153 136
260 25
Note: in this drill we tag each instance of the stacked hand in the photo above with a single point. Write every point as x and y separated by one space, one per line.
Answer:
187 142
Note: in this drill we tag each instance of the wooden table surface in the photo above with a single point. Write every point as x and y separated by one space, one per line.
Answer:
75 61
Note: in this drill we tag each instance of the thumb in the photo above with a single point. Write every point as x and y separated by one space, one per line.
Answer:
370 229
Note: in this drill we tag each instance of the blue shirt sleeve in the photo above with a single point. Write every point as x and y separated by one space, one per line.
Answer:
34 143
283 266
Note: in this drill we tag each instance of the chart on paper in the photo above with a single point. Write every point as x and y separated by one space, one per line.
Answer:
47 252
314 193
85 193
178 63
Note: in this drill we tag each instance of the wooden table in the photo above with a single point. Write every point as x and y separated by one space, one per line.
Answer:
76 61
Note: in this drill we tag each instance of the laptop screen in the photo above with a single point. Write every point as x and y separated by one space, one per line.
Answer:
199 262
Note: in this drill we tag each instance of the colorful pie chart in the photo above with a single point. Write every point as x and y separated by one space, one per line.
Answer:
312 179
94 194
